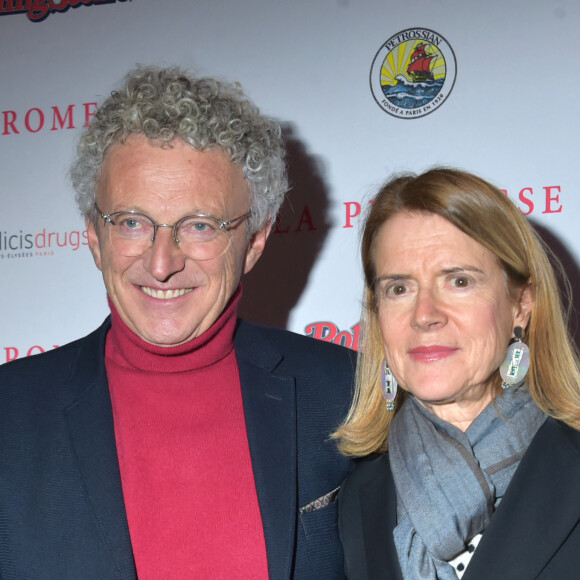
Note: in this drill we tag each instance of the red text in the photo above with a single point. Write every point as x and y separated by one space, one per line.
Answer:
547 200
12 353
55 119
38 10
329 332
303 223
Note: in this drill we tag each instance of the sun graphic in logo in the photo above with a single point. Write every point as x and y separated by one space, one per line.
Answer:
413 73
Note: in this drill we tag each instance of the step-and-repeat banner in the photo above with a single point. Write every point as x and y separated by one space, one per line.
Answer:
362 88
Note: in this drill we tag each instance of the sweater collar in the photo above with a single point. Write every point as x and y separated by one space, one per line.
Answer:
126 349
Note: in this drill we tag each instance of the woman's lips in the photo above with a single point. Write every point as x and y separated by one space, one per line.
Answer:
431 353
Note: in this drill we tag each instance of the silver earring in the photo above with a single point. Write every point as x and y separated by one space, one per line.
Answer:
388 386
515 366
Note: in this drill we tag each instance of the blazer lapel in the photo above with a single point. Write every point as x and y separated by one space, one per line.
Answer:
90 421
270 412
540 492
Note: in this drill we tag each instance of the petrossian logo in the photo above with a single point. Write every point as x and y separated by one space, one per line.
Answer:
413 73
39 10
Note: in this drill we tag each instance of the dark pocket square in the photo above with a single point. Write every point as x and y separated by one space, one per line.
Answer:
319 503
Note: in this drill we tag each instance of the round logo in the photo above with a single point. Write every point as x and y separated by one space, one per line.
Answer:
413 73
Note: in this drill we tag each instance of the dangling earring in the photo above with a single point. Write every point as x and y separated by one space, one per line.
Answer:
515 366
388 385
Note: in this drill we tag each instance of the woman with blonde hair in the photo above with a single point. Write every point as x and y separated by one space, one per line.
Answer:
467 404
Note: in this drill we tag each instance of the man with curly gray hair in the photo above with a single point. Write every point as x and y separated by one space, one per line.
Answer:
176 441
164 104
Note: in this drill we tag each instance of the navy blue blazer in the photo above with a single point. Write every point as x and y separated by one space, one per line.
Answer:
534 533
61 504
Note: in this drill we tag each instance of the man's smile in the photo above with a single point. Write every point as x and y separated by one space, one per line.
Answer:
165 294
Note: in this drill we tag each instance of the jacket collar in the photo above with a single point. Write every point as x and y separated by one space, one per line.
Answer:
90 421
540 491
269 399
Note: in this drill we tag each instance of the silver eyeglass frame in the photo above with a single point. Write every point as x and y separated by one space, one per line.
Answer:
223 225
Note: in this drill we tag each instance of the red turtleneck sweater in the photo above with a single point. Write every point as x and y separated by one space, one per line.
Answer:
183 454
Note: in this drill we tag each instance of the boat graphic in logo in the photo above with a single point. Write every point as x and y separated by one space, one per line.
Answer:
413 73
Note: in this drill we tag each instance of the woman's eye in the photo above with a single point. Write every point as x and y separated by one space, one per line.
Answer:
461 282
397 289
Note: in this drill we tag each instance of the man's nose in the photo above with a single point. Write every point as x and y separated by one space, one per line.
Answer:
165 257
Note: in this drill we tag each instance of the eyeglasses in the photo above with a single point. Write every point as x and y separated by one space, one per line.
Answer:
201 237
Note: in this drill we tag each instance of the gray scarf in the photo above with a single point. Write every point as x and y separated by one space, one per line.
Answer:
449 482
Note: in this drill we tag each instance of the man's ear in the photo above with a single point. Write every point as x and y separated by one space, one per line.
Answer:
94 246
523 306
256 246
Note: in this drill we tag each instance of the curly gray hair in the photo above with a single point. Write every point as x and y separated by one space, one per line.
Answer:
165 103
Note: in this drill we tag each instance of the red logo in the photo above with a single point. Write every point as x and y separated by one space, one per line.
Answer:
329 332
41 243
39 10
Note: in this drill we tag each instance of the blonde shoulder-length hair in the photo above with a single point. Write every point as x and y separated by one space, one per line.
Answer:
484 213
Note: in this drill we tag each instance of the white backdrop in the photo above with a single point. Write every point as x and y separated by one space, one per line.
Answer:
511 117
